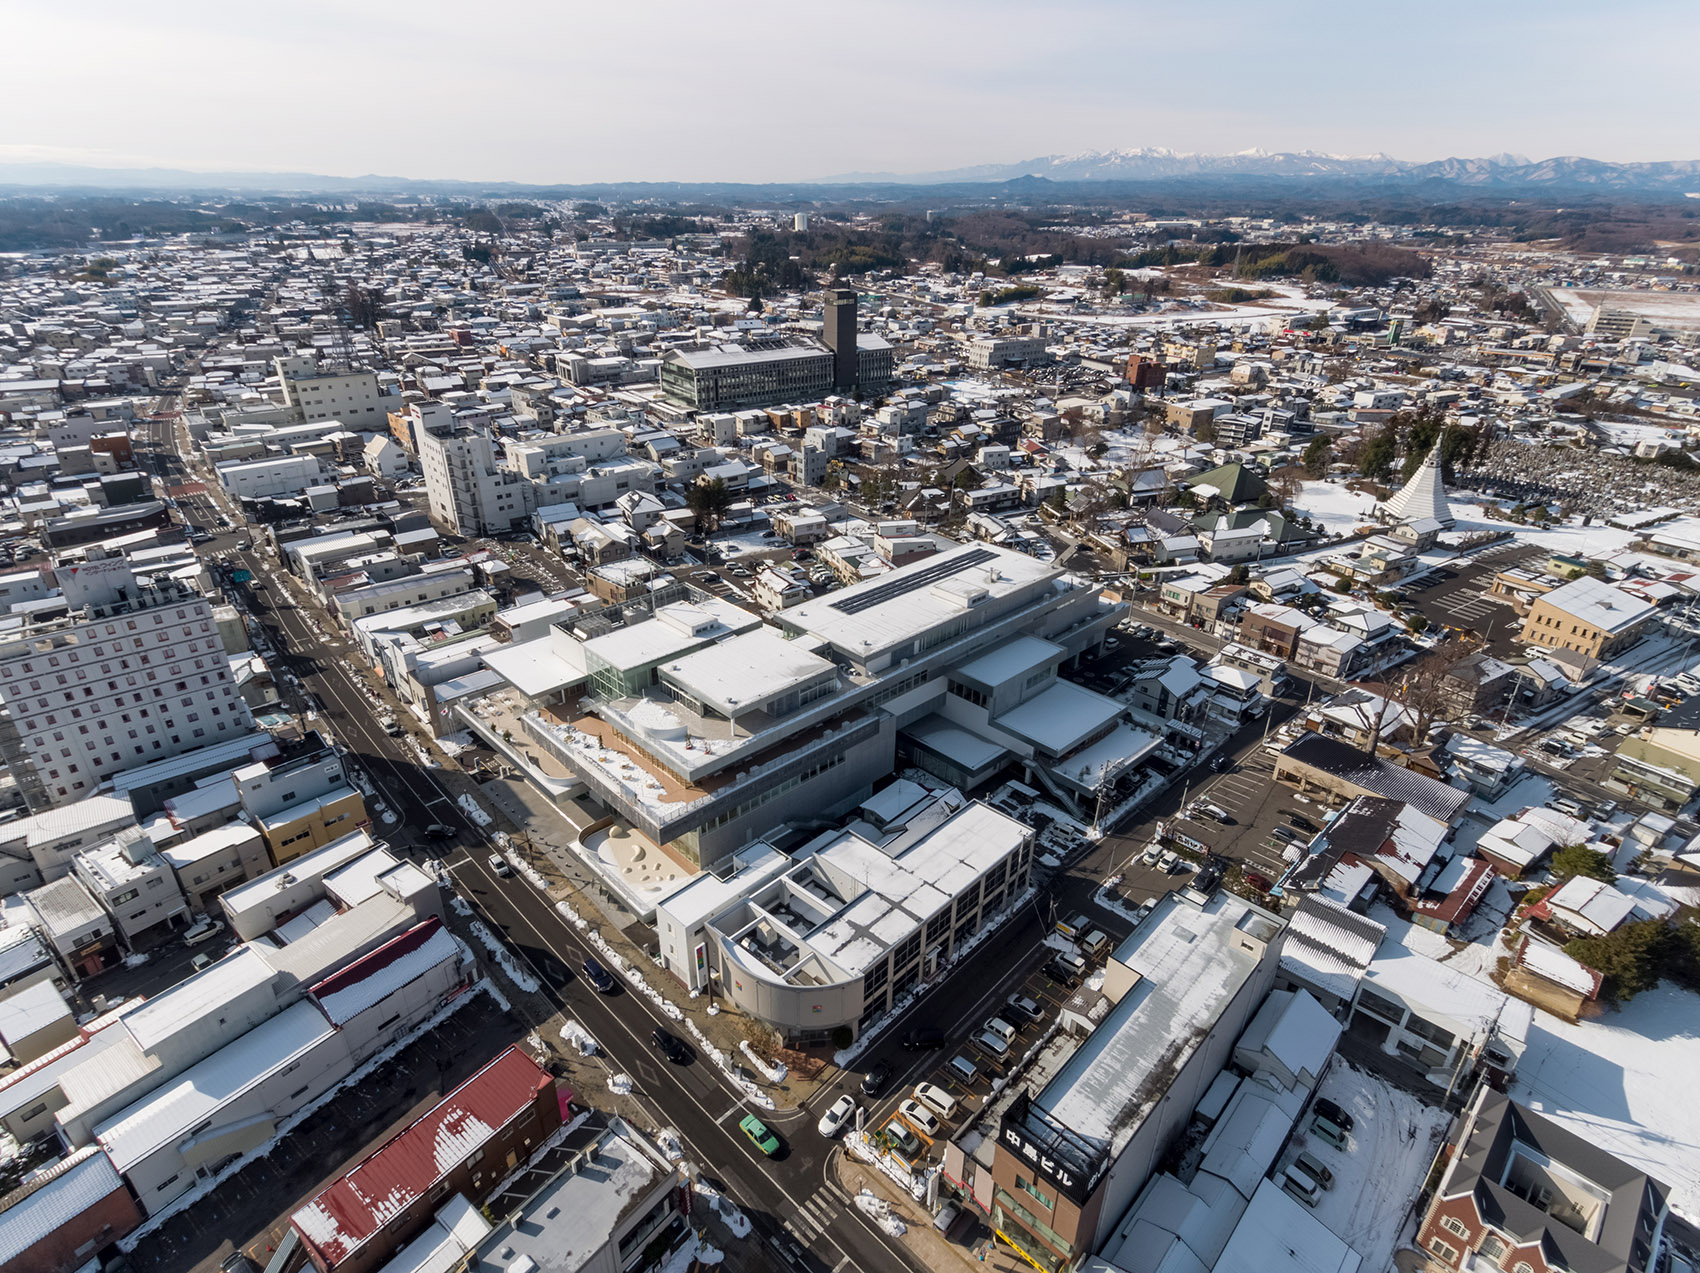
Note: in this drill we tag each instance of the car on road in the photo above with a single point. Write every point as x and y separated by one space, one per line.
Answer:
200 961
439 831
204 930
923 1038
499 865
875 1080
243 545
1021 1008
1333 1113
759 1133
670 1046
838 1117
600 979
919 1116
391 726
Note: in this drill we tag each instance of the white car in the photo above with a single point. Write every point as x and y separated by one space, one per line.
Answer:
499 865
838 1117
204 930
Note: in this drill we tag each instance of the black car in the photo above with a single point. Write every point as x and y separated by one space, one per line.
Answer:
670 1046
1333 1113
874 1081
599 977
923 1038
1300 821
439 831
1061 974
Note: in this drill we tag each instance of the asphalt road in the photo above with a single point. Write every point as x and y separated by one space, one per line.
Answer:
807 1220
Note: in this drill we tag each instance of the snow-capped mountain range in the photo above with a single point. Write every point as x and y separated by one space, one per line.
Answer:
1161 164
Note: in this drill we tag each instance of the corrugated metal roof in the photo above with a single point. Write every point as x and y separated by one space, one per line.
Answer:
32 1211
347 993
352 1209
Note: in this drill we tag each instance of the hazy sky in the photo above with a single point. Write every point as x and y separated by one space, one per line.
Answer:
571 91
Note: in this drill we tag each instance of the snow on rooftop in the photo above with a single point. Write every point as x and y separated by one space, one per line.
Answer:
1190 967
201 995
1009 660
1060 716
745 671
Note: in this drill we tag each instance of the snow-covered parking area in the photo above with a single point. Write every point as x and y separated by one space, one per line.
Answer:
1381 1169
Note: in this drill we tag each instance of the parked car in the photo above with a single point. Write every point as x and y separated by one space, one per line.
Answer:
1217 812
1300 1186
962 1069
499 865
1003 1029
1299 820
918 1115
875 1080
936 1099
993 1045
203 930
1312 1166
1021 1008
1095 943
600 979
923 1038
760 1135
1065 969
200 961
902 1138
670 1046
837 1118
1333 1113
1327 1133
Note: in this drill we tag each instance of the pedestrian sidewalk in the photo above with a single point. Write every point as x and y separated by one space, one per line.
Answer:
925 1244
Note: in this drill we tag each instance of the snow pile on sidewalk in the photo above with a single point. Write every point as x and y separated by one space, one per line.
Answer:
620 1083
751 1092
736 1222
772 1073
525 868
473 810
879 1210
455 743
616 963
460 904
133 960
572 1032
667 1141
861 1145
503 957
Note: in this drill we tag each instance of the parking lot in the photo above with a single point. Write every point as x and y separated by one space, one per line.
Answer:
1459 596
971 1094
1261 816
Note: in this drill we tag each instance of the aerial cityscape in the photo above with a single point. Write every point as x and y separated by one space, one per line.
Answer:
805 694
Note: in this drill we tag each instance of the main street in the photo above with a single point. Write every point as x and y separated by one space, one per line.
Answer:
807 1220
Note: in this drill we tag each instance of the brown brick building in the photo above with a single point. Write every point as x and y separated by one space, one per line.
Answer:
61 1219
1522 1194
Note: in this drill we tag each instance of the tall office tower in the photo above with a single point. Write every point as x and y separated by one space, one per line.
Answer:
840 335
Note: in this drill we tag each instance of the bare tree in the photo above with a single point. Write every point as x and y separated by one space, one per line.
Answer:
1430 688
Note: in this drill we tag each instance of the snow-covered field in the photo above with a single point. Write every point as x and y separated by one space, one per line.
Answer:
1336 508
1679 311
1617 1082
1382 1167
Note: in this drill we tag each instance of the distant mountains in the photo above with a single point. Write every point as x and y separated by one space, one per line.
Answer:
1495 172
1296 174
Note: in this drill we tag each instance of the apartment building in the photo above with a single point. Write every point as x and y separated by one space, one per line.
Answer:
134 673
757 374
314 393
273 476
134 885
467 492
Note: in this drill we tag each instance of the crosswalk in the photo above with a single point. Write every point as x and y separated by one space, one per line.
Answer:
816 1212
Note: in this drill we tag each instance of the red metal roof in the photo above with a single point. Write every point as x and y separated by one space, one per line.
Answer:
379 959
352 1209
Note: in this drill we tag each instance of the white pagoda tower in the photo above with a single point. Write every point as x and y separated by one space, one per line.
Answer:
1423 496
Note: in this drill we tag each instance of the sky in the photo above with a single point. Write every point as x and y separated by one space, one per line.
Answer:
567 91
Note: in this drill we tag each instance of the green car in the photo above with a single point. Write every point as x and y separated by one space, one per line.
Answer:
759 1135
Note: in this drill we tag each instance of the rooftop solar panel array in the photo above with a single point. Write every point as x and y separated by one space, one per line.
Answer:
912 580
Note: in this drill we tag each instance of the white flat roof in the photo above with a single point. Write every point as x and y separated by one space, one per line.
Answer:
1058 718
1190 968
550 662
1010 659
906 603
202 994
314 865
1598 604
737 674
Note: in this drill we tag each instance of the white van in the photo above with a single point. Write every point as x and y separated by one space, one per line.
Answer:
935 1097
1003 1029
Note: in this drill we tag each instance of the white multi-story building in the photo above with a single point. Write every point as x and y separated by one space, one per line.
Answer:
315 394
274 475
134 885
467 492
134 673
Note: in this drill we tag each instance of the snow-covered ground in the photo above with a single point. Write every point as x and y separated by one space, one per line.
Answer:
504 957
1336 508
1617 1083
1382 1167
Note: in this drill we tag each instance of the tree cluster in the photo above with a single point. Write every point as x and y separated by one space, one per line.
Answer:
1637 955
